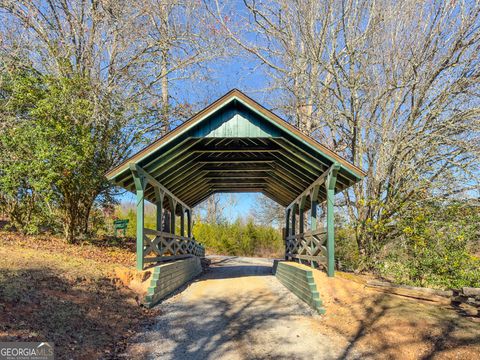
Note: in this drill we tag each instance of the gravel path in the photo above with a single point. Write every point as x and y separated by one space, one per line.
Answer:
237 310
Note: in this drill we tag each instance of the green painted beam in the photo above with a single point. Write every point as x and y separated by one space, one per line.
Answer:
193 180
177 150
172 157
294 213
320 180
186 192
268 194
172 166
159 195
291 159
298 173
301 217
182 222
251 168
300 154
159 172
201 198
236 150
237 176
330 185
236 161
278 199
313 215
173 177
154 182
346 180
195 194
140 182
235 181
280 188
280 176
229 190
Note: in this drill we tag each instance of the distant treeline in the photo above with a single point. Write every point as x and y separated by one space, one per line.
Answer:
242 238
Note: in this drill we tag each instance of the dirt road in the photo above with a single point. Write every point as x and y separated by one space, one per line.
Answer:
237 310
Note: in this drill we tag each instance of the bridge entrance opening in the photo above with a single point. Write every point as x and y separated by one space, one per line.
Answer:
235 145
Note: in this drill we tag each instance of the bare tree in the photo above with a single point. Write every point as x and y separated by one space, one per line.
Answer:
268 212
392 85
132 55
212 210
137 50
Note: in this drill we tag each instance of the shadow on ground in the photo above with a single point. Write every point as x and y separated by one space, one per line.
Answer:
273 323
379 325
223 329
235 271
84 318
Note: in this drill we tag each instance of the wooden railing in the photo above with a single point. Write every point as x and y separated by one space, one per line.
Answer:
166 246
310 246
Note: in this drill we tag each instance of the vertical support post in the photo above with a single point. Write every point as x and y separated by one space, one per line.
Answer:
330 187
140 184
159 203
140 227
294 218
166 222
173 208
182 221
287 230
294 224
159 194
189 223
313 216
301 221
287 222
301 217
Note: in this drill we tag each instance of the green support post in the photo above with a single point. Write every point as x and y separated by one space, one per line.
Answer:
287 222
189 223
294 218
140 184
173 208
330 188
159 203
313 214
173 205
301 218
182 221
166 222
287 229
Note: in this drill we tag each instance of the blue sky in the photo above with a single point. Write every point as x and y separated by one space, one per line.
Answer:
238 73
245 74
245 202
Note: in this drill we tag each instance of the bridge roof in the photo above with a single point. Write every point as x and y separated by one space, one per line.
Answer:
235 145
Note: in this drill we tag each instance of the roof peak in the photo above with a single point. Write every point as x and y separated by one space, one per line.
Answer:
253 106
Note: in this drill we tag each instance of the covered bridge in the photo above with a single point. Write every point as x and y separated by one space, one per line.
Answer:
234 145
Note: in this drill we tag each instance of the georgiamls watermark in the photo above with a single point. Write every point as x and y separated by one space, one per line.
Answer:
26 351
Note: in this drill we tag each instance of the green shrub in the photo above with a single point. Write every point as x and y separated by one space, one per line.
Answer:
346 249
435 247
240 239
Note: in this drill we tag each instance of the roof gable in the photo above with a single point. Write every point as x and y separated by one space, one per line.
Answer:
225 118
234 120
